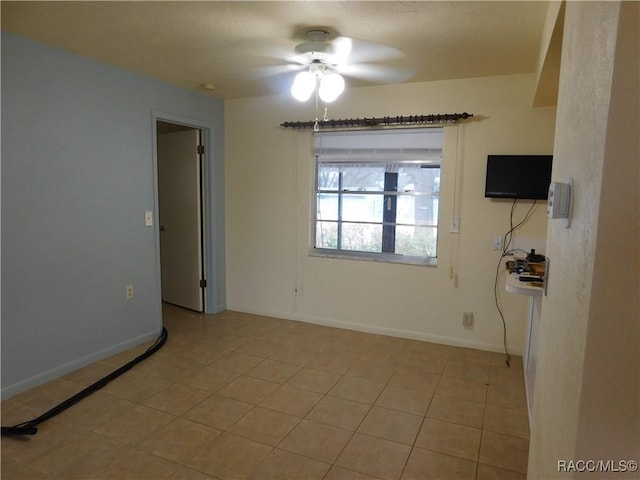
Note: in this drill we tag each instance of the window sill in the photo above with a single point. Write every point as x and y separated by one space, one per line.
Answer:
375 257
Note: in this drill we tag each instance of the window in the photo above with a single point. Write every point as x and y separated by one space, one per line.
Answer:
377 194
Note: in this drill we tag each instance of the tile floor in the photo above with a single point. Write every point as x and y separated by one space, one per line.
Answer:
235 396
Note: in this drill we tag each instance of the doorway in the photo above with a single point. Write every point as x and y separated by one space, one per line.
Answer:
180 153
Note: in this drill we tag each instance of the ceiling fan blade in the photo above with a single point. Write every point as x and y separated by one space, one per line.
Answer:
376 73
273 70
270 58
264 51
353 50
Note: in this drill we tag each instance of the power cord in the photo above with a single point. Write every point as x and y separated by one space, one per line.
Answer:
512 228
29 427
507 238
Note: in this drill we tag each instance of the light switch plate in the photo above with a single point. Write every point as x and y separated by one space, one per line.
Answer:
148 218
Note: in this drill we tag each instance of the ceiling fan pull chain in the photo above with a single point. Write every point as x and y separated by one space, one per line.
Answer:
316 127
326 117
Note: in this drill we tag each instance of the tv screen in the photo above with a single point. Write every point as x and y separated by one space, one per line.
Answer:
518 176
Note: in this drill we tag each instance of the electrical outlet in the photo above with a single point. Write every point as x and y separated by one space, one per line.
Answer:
129 292
467 319
497 243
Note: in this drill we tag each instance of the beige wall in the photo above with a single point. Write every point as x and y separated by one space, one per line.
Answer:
587 387
269 193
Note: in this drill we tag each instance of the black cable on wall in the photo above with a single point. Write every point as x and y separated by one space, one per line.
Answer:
506 242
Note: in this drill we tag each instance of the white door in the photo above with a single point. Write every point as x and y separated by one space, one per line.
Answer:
179 199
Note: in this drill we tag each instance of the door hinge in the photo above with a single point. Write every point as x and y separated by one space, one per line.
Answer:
200 149
203 284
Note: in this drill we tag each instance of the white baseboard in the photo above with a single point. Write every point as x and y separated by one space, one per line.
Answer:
381 330
41 378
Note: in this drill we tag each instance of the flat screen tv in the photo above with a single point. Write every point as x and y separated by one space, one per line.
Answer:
518 176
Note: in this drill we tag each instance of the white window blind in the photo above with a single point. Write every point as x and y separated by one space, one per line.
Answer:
409 145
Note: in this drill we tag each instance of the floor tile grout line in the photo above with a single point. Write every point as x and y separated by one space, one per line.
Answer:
414 446
324 395
482 431
353 432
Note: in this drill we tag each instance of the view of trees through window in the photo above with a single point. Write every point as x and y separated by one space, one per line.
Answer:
382 207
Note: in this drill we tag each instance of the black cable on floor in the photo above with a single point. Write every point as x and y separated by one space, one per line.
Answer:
29 427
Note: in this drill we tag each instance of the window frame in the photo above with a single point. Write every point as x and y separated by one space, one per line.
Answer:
384 255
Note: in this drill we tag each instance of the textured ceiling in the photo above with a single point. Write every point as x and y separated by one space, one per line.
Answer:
241 47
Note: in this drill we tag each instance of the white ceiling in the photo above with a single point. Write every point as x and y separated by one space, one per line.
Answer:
237 46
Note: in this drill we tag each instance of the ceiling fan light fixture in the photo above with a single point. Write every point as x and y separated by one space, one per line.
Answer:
331 86
303 86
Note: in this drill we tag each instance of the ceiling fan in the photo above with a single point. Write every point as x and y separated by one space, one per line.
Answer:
325 61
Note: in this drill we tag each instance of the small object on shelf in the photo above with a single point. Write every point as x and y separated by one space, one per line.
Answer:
527 278
537 268
517 265
533 257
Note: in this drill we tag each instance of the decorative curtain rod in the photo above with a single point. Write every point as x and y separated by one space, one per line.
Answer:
438 118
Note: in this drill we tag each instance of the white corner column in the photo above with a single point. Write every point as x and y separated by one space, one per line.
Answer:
530 351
